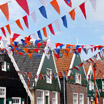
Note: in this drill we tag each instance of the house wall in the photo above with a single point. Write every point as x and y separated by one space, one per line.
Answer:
101 100
71 88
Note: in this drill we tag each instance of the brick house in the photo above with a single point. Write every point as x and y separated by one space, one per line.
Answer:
73 88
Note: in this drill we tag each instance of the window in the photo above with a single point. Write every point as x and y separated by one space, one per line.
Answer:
102 85
81 99
49 77
4 66
91 85
2 92
39 97
54 97
16 100
78 78
75 98
88 100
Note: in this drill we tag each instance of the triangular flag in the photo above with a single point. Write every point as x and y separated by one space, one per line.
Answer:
23 42
0 37
15 36
43 2
39 34
55 6
4 9
51 29
82 7
72 14
33 15
20 53
59 44
68 2
85 50
37 41
19 24
25 21
93 2
64 20
56 55
44 31
57 50
8 28
39 44
35 36
43 11
38 55
57 25
36 50
3 30
24 5
30 55
26 50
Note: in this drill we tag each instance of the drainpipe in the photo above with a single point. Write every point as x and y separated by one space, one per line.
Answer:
64 89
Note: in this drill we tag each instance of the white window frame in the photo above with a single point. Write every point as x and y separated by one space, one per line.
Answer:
77 80
19 98
91 85
82 98
56 95
47 93
4 66
39 97
88 100
103 86
49 80
74 98
3 96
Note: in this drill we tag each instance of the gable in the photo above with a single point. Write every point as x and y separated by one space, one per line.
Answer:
77 62
41 83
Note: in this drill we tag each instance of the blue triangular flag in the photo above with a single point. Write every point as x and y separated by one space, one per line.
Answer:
39 34
57 51
38 56
85 50
77 46
37 41
61 46
43 11
64 21
15 43
23 42
11 47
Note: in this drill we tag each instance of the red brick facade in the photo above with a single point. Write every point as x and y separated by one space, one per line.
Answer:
71 88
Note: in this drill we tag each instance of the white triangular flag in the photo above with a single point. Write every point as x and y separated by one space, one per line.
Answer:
35 36
33 15
43 2
46 50
48 56
5 43
57 25
93 2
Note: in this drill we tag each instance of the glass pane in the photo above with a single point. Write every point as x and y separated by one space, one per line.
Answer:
53 95
39 101
39 94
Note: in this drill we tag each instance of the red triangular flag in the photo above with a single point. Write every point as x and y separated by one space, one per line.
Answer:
24 5
39 44
55 6
4 9
20 53
36 50
79 50
82 7
44 31
51 29
58 44
25 21
8 28
3 30
30 55
15 36
0 37
56 55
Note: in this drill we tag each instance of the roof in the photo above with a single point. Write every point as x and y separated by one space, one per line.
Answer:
86 67
26 64
64 62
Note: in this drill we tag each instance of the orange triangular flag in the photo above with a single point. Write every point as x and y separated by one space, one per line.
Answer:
4 9
55 6
19 24
30 55
26 50
72 14
8 28
44 31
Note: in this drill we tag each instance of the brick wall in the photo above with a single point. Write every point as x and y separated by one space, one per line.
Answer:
71 88
101 100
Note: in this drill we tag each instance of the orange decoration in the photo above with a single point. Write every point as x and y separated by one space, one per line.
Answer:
44 31
19 24
72 14
8 28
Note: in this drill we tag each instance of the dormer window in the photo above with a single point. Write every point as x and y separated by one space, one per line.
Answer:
5 66
103 86
48 76
91 85
78 78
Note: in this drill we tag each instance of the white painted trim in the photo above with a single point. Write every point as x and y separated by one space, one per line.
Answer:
56 96
4 95
17 98
48 96
71 65
56 70
20 76
40 67
89 70
83 97
77 97
50 82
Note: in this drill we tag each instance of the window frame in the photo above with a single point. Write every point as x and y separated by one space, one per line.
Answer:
49 80
39 97
103 85
74 98
3 66
19 98
56 97
82 98
77 80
